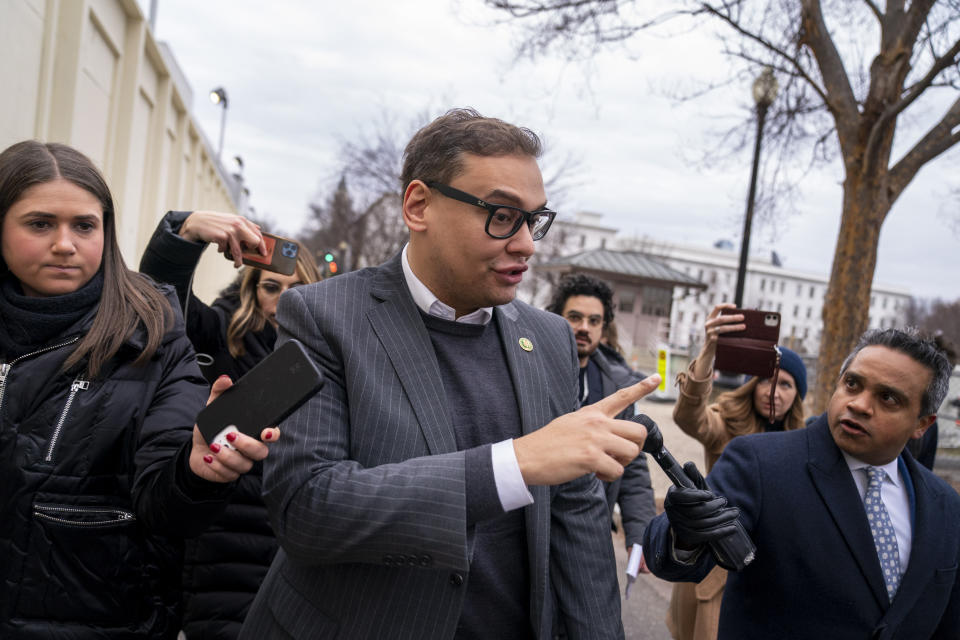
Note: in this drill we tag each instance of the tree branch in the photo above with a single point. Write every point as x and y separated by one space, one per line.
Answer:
891 112
873 8
799 70
941 137
841 102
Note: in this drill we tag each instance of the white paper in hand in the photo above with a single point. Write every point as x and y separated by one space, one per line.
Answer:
633 568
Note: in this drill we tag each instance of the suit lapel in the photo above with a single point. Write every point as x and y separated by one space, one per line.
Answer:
400 329
609 386
529 381
926 546
831 476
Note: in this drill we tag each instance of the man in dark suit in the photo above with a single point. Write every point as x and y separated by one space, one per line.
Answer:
587 304
441 485
854 538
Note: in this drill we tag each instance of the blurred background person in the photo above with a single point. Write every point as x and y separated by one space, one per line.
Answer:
694 611
102 471
223 567
587 304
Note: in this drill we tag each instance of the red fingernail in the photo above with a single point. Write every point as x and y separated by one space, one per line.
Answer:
208 459
215 447
268 436
231 436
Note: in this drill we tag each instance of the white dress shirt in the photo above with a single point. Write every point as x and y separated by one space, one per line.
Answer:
893 491
511 488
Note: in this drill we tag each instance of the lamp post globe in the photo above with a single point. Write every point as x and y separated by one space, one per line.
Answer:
765 89
219 97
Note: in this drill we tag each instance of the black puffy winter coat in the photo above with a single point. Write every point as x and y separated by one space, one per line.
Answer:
223 567
95 491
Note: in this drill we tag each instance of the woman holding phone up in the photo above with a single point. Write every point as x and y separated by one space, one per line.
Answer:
694 611
102 470
225 566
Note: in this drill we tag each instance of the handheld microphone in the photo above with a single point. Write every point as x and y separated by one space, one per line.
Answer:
734 551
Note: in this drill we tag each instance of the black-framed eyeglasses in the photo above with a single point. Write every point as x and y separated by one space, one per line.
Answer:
502 220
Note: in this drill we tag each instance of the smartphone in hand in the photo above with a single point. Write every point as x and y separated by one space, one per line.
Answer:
750 351
273 389
281 255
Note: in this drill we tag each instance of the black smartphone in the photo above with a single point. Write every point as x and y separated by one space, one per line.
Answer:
273 389
281 255
750 351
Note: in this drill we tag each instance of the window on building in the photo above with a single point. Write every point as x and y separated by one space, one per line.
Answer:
700 275
809 312
883 302
603 243
713 277
806 332
710 299
626 301
812 289
799 289
583 240
783 285
696 316
763 284
679 317
655 301
779 307
796 311
723 297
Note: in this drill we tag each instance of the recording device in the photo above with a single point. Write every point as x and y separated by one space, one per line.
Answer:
281 255
752 350
736 550
273 389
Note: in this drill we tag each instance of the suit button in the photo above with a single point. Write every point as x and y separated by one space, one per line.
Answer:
400 559
456 579
425 561
388 560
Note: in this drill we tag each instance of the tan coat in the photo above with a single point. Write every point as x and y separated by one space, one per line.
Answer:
694 612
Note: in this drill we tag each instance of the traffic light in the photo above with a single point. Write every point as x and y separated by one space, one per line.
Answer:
330 261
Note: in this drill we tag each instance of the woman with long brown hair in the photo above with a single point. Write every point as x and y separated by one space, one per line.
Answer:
695 608
223 567
102 471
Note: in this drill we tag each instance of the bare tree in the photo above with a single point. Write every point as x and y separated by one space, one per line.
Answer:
851 72
371 163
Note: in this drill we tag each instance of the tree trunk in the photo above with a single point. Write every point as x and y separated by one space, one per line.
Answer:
846 307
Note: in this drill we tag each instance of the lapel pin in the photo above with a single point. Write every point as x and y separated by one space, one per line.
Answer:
525 344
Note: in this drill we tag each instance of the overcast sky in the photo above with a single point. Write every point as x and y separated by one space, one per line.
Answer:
303 75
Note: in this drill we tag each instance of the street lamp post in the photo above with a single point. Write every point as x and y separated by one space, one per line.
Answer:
219 96
764 92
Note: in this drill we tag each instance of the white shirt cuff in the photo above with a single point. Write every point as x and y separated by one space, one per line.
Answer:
511 488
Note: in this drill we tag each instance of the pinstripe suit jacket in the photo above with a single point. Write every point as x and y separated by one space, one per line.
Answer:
366 487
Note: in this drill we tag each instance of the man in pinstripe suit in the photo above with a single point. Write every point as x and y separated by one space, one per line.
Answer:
441 484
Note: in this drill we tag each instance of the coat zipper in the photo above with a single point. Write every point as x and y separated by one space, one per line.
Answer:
78 385
47 512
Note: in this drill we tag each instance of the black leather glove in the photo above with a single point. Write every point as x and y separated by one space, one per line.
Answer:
698 516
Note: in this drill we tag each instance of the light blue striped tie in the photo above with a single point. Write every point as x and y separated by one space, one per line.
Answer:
884 537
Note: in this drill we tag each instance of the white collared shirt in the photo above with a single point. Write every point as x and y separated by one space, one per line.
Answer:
511 488
893 491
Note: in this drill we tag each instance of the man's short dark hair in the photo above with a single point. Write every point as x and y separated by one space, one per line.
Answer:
435 153
578 284
924 350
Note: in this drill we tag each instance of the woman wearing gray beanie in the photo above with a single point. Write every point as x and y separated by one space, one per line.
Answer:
695 608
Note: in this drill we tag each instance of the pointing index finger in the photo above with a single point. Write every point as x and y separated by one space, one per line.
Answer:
623 398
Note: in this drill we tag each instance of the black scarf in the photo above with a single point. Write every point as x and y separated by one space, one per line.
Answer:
28 323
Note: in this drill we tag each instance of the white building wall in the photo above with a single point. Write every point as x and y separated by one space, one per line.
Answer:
88 73
796 295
